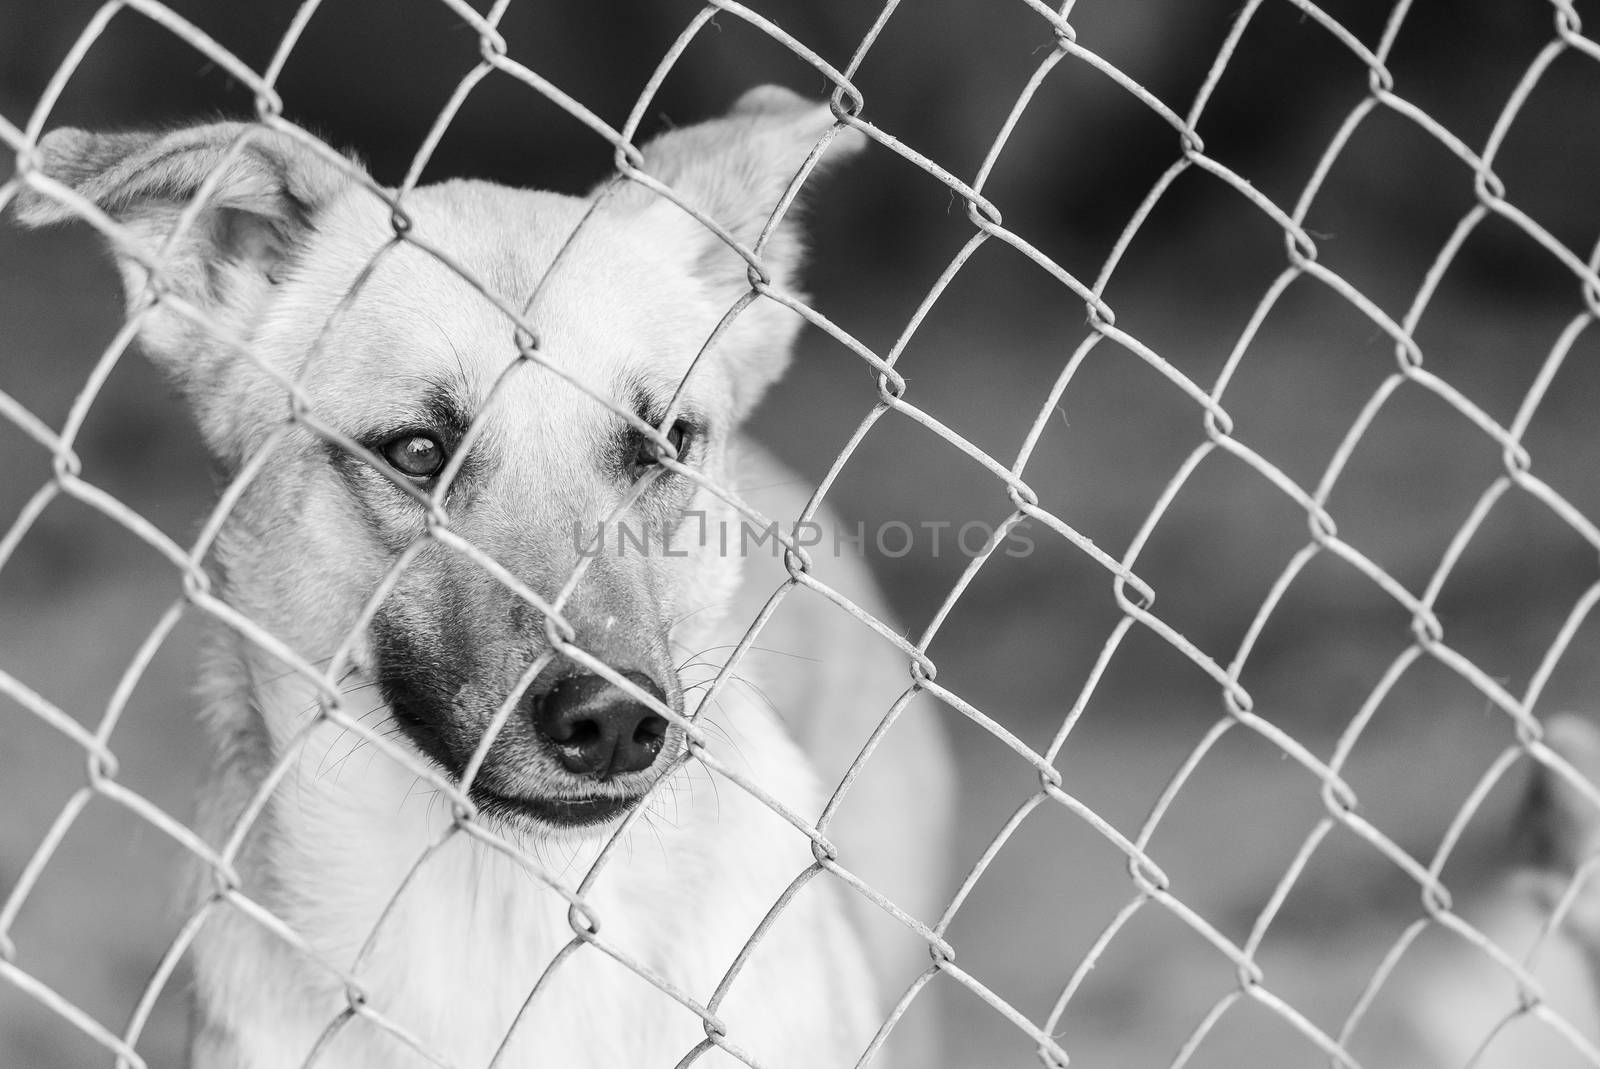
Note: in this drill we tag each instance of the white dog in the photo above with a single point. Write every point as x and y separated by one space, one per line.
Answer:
294 259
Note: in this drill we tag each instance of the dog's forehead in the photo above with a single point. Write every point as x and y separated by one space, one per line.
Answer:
603 293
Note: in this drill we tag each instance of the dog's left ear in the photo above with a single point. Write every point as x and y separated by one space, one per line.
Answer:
735 169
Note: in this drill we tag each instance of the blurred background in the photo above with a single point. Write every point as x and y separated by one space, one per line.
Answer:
80 594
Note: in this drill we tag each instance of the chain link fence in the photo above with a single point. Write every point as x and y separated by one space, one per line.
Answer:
1058 1001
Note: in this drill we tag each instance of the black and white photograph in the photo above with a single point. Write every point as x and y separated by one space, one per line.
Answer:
800 534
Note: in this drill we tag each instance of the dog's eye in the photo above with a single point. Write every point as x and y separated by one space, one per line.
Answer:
419 456
680 435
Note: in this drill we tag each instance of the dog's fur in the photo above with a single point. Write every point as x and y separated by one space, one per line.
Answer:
1457 1003
270 258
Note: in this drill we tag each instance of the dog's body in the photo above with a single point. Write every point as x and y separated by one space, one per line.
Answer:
445 936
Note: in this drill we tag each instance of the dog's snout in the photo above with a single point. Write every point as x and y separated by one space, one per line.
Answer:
596 730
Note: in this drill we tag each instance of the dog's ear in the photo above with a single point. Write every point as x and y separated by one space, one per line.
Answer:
735 169
258 215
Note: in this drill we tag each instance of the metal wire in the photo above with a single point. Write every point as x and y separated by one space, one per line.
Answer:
1134 597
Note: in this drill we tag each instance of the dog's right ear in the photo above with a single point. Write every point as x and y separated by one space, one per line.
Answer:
259 214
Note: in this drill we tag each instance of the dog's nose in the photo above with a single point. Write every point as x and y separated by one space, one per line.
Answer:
597 730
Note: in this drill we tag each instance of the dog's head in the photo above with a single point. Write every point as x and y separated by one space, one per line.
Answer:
287 270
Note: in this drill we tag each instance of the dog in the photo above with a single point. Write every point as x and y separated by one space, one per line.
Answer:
375 404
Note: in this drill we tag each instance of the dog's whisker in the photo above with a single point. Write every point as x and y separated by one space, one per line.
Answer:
683 618
361 743
649 821
757 649
350 670
759 691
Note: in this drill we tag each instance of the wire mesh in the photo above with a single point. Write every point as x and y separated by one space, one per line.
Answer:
1148 885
